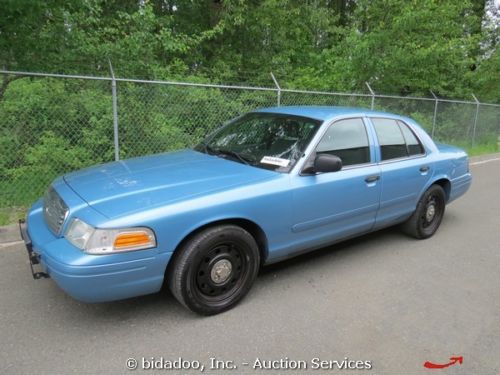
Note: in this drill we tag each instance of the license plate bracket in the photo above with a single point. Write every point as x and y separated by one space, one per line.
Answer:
33 257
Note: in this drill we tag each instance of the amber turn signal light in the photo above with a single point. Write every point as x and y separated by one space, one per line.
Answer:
132 240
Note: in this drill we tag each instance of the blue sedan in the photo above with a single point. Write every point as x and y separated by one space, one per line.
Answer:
269 185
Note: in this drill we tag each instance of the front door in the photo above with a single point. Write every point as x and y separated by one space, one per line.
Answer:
331 206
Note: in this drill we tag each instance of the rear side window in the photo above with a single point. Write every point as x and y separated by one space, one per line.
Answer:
396 139
346 139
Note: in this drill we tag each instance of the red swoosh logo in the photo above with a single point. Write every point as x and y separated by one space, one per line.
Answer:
453 360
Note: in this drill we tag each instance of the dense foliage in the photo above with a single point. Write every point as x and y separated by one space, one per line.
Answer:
402 47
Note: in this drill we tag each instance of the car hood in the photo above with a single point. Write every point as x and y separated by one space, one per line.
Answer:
127 186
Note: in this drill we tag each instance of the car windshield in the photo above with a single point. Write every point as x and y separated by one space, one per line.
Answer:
264 140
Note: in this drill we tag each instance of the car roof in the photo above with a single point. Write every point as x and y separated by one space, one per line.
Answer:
325 113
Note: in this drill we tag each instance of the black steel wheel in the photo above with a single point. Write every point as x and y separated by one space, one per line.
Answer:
215 269
429 213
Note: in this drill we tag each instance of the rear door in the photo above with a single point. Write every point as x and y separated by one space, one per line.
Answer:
404 167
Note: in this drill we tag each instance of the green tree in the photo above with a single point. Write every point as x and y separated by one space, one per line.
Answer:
407 47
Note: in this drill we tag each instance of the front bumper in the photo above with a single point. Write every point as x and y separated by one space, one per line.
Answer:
90 278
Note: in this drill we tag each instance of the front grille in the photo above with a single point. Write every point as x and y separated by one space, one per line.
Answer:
54 210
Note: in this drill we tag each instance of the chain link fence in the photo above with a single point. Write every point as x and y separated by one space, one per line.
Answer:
51 124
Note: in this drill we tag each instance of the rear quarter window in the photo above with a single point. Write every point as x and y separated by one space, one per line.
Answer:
391 139
396 139
412 143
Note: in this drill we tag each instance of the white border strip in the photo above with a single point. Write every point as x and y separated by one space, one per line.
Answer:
10 243
484 161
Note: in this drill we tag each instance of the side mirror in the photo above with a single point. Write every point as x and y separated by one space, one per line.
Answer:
327 163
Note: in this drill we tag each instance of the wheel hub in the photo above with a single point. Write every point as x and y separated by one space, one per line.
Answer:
221 271
430 212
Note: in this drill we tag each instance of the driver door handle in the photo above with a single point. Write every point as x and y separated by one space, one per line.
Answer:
373 178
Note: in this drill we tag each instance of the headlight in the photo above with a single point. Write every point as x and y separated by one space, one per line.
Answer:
79 233
107 241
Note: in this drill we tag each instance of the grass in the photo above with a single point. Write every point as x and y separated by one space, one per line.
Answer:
482 149
10 215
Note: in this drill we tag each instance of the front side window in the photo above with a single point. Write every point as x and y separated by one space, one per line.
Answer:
264 140
396 139
348 140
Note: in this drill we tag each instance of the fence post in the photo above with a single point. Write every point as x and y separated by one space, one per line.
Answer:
373 95
278 87
435 113
475 121
115 112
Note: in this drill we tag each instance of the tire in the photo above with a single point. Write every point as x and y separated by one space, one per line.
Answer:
429 213
214 269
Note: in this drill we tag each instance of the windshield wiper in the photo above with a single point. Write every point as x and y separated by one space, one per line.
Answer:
220 151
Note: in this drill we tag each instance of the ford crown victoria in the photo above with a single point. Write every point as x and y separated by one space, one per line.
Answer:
267 186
